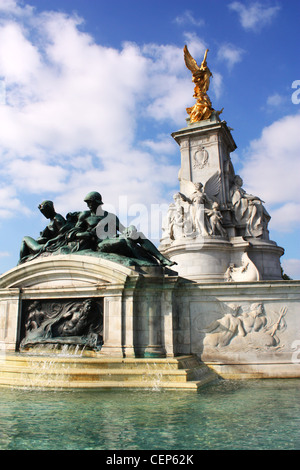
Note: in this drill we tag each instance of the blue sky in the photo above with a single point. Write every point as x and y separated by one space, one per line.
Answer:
91 90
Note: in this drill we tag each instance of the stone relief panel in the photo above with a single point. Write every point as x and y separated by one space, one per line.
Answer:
241 328
77 322
248 327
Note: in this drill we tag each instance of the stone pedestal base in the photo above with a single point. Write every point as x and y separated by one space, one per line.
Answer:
217 259
200 260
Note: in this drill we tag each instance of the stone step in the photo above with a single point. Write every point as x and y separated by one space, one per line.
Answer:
100 374
57 372
184 362
41 383
62 385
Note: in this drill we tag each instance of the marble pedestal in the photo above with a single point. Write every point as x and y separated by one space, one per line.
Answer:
211 259
238 250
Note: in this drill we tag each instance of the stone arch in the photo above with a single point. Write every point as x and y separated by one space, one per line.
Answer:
65 271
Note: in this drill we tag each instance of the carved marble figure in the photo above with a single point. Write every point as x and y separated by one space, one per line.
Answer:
215 220
248 210
168 224
196 213
199 199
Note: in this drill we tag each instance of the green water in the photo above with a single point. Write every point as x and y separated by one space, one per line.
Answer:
252 415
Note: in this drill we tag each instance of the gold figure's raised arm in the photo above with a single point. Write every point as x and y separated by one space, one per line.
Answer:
205 55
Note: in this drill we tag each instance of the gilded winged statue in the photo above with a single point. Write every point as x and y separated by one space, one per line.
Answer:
201 77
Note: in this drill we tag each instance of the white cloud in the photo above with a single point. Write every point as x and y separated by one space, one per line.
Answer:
9 202
187 18
35 177
18 57
271 171
275 100
7 5
72 107
230 54
163 146
11 7
286 217
74 93
255 16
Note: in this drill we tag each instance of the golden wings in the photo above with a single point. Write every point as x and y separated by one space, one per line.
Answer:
191 63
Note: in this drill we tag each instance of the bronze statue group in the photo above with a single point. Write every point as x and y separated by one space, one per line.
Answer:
95 231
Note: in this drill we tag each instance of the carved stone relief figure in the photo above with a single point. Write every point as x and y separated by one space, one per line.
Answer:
246 272
176 225
246 327
220 332
182 223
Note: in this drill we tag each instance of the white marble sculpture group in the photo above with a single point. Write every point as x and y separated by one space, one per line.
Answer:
198 213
